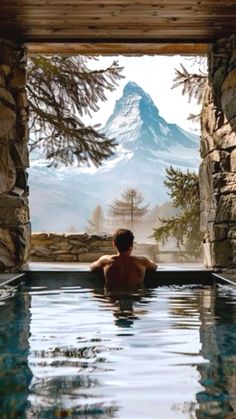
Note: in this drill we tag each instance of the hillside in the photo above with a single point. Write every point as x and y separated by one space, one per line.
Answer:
147 145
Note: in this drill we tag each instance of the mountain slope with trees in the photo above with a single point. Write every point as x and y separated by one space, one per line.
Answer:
138 163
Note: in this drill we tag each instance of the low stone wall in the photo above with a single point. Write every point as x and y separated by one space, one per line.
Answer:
69 247
79 247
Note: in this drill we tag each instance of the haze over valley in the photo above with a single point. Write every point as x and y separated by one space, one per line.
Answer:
63 198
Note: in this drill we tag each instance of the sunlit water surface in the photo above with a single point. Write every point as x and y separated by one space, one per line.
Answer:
168 352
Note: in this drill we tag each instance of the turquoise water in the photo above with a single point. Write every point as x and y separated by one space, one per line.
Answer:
168 352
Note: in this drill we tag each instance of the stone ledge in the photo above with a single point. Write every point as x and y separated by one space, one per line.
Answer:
76 247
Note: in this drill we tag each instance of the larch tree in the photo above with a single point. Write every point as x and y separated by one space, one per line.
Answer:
96 221
129 207
61 90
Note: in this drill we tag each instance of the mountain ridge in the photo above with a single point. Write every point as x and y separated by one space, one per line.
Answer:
136 114
147 145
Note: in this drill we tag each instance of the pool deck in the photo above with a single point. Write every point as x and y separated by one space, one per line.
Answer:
84 267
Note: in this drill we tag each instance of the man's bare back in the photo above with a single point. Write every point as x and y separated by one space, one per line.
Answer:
123 270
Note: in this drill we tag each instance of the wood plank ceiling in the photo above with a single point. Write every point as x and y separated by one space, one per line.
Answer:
117 25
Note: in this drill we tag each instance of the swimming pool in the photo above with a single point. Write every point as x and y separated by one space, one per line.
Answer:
67 350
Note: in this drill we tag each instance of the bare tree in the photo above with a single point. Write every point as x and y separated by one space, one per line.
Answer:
95 222
129 208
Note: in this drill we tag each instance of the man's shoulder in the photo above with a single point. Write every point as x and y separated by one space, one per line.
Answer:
106 258
101 262
140 259
146 262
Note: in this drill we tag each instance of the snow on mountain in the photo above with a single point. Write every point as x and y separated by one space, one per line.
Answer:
147 145
137 124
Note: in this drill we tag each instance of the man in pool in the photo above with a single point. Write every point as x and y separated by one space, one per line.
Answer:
123 270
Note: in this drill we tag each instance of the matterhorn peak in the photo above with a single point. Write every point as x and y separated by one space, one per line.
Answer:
137 124
132 87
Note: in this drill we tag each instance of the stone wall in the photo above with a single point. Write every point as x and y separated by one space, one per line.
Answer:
14 210
218 151
78 247
69 247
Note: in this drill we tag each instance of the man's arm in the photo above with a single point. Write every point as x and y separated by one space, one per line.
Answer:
150 265
99 263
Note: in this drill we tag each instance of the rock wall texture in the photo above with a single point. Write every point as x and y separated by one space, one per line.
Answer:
78 247
14 209
218 152
69 247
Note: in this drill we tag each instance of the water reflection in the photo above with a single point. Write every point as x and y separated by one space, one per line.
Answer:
126 306
68 396
70 378
68 358
82 366
218 338
15 374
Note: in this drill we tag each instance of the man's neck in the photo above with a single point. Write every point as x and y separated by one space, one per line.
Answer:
124 254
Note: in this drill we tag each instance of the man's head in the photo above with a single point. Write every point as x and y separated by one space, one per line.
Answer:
123 240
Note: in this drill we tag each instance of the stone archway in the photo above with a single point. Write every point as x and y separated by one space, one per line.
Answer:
217 171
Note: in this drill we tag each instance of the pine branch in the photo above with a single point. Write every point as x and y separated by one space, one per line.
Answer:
193 85
60 91
194 118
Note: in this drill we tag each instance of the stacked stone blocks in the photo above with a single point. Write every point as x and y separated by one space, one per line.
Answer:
80 247
218 151
69 247
14 209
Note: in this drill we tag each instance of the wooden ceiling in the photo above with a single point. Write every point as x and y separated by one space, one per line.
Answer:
119 26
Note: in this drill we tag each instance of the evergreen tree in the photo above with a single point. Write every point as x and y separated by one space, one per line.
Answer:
95 223
184 187
185 226
193 84
61 90
129 208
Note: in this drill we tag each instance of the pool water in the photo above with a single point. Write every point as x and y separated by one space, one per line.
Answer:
166 352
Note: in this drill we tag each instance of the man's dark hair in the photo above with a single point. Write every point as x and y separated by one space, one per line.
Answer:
123 239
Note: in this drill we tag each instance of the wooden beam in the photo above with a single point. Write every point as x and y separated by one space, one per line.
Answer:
118 21
90 10
117 48
125 21
119 33
70 3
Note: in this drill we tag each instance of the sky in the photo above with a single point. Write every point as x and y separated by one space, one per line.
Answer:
155 74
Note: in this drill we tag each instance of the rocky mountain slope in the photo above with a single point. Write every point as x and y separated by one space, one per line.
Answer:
147 145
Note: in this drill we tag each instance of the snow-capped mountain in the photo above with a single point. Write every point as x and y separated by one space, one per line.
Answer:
147 145
139 127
